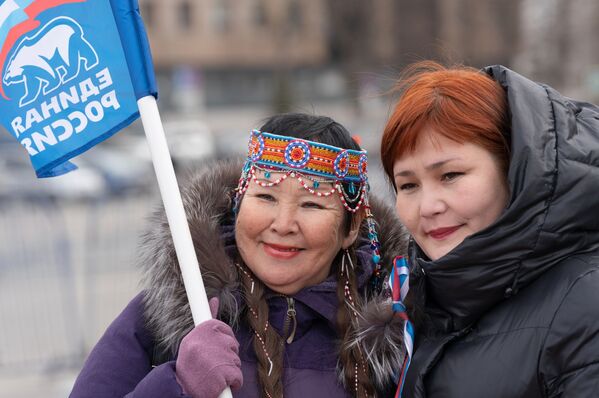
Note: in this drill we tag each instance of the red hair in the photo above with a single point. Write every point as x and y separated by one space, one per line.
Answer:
459 103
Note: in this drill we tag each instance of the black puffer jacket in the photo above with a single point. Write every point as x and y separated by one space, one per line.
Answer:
513 311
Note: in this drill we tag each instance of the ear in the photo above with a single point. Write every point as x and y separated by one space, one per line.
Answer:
354 230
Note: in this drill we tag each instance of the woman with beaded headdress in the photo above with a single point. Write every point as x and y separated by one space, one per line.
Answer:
291 255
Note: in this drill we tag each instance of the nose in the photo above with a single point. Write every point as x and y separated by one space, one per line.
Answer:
431 202
284 220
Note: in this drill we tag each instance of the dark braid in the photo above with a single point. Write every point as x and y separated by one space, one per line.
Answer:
350 356
267 342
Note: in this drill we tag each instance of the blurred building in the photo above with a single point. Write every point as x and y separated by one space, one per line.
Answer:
559 45
263 34
383 36
226 52
479 32
234 51
225 33
397 32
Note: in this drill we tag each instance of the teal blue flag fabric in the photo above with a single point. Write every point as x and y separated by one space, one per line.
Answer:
72 71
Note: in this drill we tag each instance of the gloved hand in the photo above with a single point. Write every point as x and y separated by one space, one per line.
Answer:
208 358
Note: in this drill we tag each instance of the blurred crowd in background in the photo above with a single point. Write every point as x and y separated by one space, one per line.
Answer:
67 257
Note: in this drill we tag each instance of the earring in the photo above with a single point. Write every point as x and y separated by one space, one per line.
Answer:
346 289
344 270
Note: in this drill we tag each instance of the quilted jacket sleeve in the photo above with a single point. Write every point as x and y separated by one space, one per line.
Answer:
569 363
120 364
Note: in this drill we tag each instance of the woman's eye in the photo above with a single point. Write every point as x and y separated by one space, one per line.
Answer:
312 205
265 196
407 186
452 175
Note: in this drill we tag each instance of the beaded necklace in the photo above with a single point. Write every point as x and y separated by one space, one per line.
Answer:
261 336
345 270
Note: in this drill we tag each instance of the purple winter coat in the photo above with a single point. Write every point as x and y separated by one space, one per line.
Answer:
136 355
120 365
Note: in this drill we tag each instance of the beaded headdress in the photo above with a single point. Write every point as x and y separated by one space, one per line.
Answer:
312 164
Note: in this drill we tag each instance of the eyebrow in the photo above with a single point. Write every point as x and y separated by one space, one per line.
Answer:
432 166
302 192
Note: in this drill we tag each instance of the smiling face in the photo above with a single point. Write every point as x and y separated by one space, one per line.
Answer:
289 237
447 191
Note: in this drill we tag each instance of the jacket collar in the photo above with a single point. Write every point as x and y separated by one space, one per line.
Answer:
322 298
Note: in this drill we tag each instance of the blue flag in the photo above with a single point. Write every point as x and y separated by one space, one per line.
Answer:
72 71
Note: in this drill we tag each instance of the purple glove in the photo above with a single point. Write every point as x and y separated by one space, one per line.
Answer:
208 359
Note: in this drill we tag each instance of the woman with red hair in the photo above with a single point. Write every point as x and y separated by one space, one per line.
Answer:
496 180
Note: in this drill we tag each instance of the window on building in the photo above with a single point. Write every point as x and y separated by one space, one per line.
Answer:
295 15
221 16
185 15
259 13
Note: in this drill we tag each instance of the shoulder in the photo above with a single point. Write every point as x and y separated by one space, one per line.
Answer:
579 293
572 277
579 298
121 362
125 341
130 324
571 344
562 282
538 304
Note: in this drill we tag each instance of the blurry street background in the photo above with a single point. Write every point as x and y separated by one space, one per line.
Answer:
68 244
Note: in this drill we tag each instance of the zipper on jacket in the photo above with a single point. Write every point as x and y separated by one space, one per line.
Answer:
290 321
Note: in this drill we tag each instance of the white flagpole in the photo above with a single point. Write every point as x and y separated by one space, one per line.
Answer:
175 213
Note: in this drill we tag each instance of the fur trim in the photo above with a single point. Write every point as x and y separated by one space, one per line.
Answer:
380 337
207 199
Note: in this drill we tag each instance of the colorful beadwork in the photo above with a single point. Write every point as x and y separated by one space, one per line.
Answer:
297 154
289 153
256 148
341 164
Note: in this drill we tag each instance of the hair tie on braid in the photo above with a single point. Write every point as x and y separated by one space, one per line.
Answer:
268 345
353 361
344 269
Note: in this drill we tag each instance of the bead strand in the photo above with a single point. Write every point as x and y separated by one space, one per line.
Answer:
266 325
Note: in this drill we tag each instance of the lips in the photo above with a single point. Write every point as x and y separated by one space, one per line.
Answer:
281 251
441 233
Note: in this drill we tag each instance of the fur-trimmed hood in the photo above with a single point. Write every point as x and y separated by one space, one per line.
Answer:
207 200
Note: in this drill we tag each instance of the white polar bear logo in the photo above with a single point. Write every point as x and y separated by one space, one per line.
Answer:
51 57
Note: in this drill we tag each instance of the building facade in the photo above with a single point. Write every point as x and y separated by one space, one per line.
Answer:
274 50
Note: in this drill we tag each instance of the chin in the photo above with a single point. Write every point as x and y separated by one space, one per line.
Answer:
277 284
287 290
437 253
